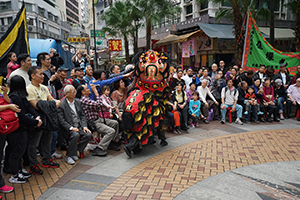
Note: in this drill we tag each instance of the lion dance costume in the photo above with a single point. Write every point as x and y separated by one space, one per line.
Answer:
145 106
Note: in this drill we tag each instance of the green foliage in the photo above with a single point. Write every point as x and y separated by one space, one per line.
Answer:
292 5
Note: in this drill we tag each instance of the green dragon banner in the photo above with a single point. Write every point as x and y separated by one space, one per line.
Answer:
257 51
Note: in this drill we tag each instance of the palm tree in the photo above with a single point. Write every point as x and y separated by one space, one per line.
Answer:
154 10
294 6
237 12
118 20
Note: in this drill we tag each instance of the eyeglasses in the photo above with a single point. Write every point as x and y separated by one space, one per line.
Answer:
48 59
74 92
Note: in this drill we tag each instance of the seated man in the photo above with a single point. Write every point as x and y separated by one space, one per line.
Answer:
208 104
293 93
73 121
229 97
109 127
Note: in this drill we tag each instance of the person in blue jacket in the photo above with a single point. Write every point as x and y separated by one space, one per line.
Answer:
99 83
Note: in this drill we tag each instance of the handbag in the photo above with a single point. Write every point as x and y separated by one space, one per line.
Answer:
9 121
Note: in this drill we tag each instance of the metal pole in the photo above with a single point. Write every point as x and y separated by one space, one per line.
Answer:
95 55
136 39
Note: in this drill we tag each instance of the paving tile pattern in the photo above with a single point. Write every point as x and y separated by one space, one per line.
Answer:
37 184
168 174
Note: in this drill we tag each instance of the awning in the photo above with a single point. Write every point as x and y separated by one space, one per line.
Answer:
174 39
279 32
217 30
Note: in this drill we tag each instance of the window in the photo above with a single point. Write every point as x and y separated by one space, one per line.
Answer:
203 5
9 20
30 21
189 9
41 11
50 16
71 7
74 2
2 21
5 5
56 19
28 7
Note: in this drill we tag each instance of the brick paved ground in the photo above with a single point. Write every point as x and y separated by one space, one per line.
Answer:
168 174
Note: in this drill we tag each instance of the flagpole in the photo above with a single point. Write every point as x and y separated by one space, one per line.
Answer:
245 41
94 21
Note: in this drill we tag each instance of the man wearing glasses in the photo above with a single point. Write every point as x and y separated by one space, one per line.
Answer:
293 93
25 63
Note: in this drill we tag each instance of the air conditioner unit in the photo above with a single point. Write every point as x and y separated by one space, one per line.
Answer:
3 29
30 28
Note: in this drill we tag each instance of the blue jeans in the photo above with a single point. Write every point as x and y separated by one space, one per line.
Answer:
53 143
238 108
253 110
279 102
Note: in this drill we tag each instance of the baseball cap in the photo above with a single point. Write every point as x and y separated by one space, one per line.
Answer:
63 69
78 69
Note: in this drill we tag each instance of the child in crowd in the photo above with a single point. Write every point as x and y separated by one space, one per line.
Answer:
250 95
107 108
194 109
12 65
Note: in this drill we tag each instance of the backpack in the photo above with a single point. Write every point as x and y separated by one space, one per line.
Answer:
227 88
9 121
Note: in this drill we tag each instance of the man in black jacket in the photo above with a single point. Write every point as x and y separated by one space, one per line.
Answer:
247 77
283 75
260 73
56 60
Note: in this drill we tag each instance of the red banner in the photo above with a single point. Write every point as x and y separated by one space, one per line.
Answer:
115 45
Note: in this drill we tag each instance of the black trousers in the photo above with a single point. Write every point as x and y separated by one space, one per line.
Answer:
2 143
184 114
272 109
17 144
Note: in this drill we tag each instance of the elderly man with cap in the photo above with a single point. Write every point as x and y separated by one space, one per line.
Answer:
63 75
79 78
283 75
293 92
280 97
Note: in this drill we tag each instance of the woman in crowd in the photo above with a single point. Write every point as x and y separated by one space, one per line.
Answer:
280 97
258 91
189 92
205 77
268 100
12 65
180 101
17 140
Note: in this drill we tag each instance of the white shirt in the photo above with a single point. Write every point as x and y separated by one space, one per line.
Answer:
72 106
203 93
22 73
283 78
187 81
261 75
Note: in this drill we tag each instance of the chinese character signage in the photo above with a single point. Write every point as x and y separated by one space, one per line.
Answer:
98 33
78 39
115 45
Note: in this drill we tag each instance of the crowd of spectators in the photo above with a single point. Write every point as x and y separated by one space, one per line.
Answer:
55 111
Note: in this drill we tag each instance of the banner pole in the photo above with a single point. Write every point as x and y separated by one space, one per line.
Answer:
245 41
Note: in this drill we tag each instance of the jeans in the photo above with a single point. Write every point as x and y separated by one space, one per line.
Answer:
279 103
253 110
238 108
53 143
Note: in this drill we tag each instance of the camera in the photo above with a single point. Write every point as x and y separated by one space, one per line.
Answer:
55 54
4 81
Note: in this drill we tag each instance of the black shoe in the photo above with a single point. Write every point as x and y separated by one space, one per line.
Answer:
269 120
247 122
298 118
217 118
263 120
99 152
206 121
184 129
127 151
278 120
50 164
114 146
256 121
36 170
163 143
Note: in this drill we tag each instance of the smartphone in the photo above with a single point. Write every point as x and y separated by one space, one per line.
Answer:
4 81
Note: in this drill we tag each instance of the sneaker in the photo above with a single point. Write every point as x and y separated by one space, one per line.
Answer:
223 121
6 189
50 164
192 125
197 124
127 151
260 113
246 113
36 170
238 121
25 173
56 155
99 152
75 158
163 143
18 179
281 116
70 161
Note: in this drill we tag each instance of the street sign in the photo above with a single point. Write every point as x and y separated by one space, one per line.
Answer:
115 45
98 33
78 39
99 42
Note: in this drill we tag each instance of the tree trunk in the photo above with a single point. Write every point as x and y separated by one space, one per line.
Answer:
237 26
272 40
148 34
297 28
126 49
